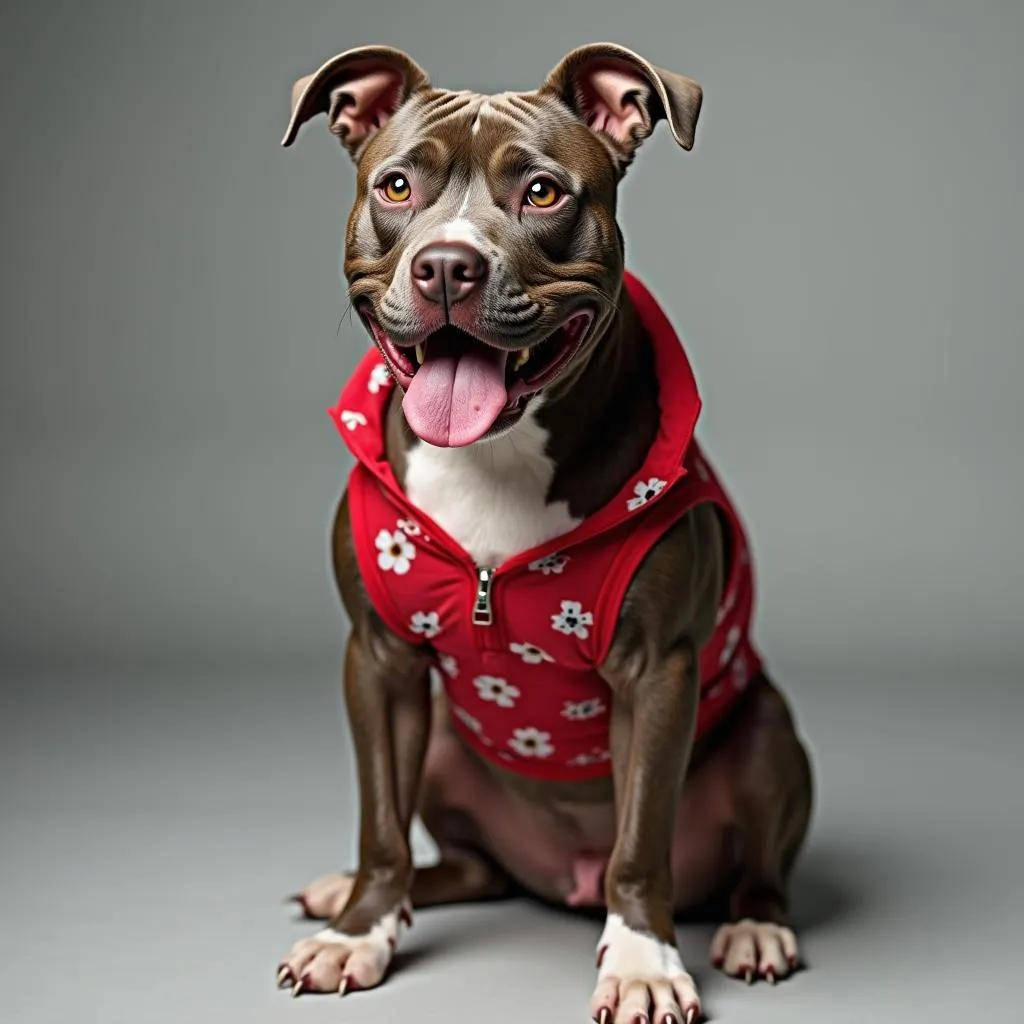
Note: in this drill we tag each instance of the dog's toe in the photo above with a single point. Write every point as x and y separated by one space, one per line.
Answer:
748 949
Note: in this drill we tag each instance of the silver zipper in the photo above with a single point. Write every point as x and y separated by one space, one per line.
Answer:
483 614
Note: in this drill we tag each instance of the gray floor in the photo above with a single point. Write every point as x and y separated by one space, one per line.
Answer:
149 827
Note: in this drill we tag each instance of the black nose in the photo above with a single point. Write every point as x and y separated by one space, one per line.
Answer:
448 272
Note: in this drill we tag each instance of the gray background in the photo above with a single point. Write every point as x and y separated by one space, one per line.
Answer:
843 254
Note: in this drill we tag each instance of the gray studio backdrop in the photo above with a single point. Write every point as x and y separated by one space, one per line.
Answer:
843 251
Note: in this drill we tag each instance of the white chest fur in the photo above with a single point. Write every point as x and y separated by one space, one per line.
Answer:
490 496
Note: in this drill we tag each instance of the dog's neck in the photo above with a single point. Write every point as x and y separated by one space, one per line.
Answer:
569 454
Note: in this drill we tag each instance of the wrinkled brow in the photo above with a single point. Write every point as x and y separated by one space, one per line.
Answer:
429 153
515 159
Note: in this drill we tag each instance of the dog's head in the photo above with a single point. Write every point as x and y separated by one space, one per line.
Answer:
482 252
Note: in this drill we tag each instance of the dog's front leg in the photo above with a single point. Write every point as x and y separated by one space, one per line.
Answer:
641 976
652 670
387 694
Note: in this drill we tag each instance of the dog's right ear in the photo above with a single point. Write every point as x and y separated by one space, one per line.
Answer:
359 91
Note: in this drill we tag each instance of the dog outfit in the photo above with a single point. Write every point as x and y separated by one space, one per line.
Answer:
517 645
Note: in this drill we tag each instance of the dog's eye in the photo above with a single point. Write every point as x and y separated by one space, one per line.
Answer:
397 189
542 193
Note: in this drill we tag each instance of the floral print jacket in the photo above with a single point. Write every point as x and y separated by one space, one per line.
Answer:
517 646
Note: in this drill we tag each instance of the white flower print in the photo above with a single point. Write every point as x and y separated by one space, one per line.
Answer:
596 756
379 378
727 606
352 419
644 491
531 743
579 711
740 673
573 620
500 691
449 666
531 654
549 564
409 528
395 552
471 723
426 624
732 641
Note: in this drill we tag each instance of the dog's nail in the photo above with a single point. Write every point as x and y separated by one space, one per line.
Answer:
405 916
284 977
668 1019
769 976
640 1018
343 987
301 986
605 1016
748 976
299 901
691 1015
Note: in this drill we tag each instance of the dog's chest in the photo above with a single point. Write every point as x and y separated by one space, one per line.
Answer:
490 497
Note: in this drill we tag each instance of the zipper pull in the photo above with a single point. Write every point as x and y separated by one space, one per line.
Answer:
483 614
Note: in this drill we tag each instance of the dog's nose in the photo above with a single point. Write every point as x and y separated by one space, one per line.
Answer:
448 272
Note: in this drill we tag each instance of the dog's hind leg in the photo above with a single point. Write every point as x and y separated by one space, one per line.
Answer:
771 793
460 876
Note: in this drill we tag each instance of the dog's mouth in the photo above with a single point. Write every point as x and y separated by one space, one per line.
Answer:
458 388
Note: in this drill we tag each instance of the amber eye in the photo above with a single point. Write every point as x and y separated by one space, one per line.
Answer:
397 189
542 193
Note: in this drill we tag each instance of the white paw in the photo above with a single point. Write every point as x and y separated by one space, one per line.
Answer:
641 977
325 898
331 961
751 950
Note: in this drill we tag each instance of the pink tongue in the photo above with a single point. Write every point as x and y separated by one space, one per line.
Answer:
458 392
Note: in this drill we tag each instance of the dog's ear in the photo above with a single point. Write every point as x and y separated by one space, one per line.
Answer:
359 91
622 97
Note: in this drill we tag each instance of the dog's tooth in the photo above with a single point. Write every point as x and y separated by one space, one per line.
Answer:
521 357
419 354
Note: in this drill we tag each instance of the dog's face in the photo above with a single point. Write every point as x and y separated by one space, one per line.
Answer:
482 252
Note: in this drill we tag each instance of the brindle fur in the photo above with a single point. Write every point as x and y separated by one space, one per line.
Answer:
601 417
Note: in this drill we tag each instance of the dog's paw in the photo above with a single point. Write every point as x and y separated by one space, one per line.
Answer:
325 898
641 979
750 950
332 961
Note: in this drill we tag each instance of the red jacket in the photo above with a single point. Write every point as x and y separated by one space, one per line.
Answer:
517 645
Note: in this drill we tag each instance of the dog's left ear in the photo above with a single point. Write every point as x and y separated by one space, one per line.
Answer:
622 97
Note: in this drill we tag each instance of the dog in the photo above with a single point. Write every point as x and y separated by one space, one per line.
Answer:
550 592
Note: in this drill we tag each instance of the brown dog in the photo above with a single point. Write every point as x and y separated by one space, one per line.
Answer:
520 394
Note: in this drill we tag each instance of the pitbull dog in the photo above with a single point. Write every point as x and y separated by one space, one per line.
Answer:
519 384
